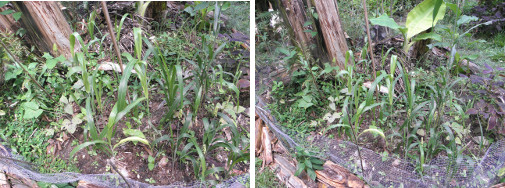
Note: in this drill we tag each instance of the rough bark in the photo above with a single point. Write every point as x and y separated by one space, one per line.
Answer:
46 26
295 12
419 48
156 10
7 23
333 35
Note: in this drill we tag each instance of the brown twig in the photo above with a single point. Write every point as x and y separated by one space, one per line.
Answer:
111 163
111 32
370 50
15 59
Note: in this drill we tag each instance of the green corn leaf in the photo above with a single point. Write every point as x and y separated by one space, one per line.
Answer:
84 145
375 131
132 139
130 106
137 37
214 170
373 87
218 50
118 28
123 85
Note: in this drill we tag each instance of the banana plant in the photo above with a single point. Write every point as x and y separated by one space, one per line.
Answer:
423 17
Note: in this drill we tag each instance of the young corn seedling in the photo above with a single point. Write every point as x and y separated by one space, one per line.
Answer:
173 85
120 109
203 66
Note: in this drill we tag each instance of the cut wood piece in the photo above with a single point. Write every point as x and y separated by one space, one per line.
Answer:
267 145
382 88
334 175
20 181
333 35
501 185
3 181
286 173
85 184
472 66
110 66
259 127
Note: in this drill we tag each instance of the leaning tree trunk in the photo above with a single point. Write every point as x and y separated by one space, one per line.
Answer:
329 41
334 37
7 23
294 12
45 26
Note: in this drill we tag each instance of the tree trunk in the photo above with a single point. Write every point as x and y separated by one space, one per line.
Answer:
46 26
294 12
334 37
156 10
329 43
7 23
419 48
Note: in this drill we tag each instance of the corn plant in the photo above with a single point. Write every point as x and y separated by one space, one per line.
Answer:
231 85
173 85
413 108
210 142
91 24
141 8
203 67
239 146
391 82
119 26
120 109
140 68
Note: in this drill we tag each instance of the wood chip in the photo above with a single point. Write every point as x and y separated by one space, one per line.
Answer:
382 88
